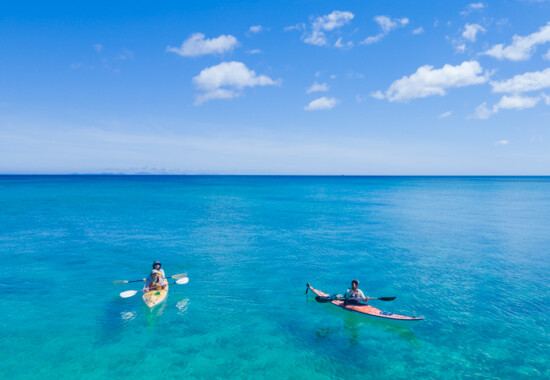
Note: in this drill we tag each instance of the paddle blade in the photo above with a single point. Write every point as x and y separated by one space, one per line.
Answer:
323 299
128 293
386 298
182 281
178 276
120 282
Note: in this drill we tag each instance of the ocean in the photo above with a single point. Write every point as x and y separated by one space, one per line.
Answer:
469 254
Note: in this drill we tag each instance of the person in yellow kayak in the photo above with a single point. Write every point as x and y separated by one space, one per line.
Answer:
157 265
155 281
354 296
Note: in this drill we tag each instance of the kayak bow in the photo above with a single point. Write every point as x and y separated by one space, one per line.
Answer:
154 297
370 311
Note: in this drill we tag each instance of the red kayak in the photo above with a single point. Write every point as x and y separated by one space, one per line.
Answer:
374 313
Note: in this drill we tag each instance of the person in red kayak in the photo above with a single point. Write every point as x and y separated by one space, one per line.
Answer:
155 281
354 296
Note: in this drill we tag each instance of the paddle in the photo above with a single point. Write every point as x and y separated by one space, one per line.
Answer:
329 299
175 277
131 293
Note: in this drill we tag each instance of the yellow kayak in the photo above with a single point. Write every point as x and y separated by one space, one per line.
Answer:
154 297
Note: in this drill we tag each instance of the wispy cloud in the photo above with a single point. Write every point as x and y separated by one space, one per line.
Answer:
513 102
227 80
471 31
337 19
318 87
322 103
387 25
427 81
418 30
521 48
471 8
198 45
501 142
255 29
98 48
445 114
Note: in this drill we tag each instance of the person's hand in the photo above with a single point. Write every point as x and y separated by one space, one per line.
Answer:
144 280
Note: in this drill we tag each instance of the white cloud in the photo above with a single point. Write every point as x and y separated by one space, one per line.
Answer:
339 44
322 103
377 95
501 142
253 51
460 48
254 29
546 99
98 48
418 30
482 111
513 102
317 87
387 25
521 48
547 55
300 26
531 81
471 31
427 81
198 45
472 7
326 23
516 102
226 81
445 114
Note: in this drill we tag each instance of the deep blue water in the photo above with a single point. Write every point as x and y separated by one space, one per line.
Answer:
470 254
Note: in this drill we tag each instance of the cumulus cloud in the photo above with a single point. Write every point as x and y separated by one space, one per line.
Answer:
198 45
445 114
531 81
516 102
387 25
317 87
427 81
322 103
326 23
227 80
546 99
521 48
418 30
471 31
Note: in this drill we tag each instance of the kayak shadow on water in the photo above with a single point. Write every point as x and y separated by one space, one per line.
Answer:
151 315
354 323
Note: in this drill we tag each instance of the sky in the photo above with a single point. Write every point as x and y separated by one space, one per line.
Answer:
305 87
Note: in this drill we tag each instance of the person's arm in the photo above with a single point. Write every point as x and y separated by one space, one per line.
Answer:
146 287
362 295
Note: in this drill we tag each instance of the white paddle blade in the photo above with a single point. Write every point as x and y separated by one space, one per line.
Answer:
120 282
182 281
178 276
128 293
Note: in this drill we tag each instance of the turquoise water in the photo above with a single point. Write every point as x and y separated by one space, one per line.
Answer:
471 255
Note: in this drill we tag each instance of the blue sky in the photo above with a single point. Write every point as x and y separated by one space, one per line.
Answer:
286 87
